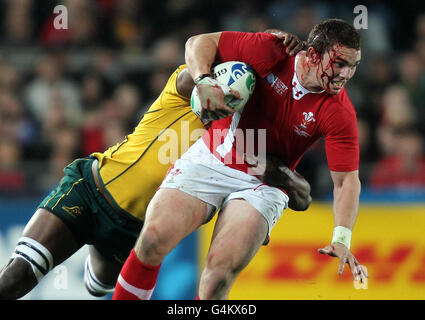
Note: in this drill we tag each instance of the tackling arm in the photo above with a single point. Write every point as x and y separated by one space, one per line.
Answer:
278 175
185 84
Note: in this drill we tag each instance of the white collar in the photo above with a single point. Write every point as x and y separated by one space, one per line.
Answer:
298 91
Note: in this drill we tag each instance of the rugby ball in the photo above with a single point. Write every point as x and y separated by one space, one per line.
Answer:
238 76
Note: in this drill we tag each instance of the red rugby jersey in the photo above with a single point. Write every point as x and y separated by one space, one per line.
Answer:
284 118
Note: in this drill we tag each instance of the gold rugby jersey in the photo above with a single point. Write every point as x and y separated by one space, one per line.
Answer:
132 170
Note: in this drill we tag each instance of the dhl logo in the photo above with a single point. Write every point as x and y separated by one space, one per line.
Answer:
388 240
294 262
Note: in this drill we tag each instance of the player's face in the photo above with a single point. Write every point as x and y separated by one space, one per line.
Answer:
337 66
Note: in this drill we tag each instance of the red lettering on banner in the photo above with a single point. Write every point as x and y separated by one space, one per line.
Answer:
419 275
380 268
285 266
287 260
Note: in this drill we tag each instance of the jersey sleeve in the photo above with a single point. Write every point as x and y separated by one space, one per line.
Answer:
262 51
341 137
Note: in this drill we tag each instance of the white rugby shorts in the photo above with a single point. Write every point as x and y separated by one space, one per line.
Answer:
199 173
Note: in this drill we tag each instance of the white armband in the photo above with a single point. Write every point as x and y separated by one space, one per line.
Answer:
342 235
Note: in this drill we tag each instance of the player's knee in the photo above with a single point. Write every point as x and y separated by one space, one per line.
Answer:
31 262
219 263
16 280
153 243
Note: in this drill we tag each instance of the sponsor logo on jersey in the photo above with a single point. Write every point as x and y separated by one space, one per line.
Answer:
277 85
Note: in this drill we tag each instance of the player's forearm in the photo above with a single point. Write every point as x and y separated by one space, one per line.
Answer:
346 202
298 189
296 186
299 195
200 53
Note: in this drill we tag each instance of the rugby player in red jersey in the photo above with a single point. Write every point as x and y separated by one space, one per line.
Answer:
93 203
297 100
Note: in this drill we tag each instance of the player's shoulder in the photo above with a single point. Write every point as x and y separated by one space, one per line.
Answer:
262 51
270 39
270 45
258 40
264 36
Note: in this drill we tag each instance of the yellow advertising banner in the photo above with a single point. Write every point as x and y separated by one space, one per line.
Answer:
388 239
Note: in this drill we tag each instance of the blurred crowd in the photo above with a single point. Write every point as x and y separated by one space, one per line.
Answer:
69 92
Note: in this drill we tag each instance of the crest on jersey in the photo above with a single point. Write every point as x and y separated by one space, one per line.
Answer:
307 119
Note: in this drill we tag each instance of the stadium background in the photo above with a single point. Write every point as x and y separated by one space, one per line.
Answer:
67 93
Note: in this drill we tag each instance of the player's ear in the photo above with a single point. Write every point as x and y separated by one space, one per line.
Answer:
313 56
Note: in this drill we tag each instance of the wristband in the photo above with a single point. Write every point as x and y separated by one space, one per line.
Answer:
342 235
202 76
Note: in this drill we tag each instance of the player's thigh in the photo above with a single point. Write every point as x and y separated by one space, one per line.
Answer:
239 232
50 231
171 215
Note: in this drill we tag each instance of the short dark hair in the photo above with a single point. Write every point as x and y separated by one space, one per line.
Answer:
329 32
